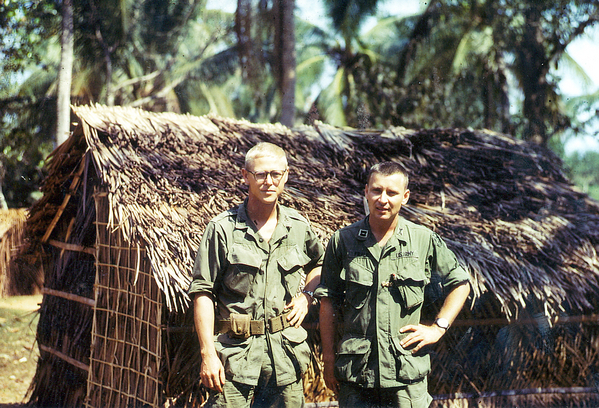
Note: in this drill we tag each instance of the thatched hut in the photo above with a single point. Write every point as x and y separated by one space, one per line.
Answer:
130 192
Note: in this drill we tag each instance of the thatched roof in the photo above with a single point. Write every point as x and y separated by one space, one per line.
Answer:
504 206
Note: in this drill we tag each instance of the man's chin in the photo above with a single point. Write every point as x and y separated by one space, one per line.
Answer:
382 215
269 198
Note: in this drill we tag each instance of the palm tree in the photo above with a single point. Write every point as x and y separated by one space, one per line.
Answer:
284 57
482 45
338 103
65 74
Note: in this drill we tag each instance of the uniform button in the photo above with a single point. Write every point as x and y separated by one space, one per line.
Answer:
261 239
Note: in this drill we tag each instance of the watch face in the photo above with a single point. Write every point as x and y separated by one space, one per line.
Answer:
442 323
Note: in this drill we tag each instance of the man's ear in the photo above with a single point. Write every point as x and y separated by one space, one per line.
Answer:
406 197
285 177
244 174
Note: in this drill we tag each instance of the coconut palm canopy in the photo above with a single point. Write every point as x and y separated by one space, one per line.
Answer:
504 206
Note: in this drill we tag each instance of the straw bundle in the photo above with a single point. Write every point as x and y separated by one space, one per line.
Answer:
18 276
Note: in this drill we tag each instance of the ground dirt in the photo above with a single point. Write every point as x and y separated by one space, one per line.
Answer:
18 350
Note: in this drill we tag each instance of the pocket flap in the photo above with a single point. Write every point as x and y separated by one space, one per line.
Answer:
242 256
225 339
354 345
360 274
413 274
295 334
397 345
292 259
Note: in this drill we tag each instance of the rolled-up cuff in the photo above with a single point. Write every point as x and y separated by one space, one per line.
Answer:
198 287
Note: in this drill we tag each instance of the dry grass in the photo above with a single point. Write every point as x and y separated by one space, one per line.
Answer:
18 352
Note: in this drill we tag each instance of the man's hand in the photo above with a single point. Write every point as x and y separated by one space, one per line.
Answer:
212 373
299 306
420 336
329 375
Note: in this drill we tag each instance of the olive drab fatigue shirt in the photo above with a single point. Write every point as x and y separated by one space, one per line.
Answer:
248 275
378 291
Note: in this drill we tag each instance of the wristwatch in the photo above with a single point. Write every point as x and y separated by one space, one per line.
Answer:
309 292
442 323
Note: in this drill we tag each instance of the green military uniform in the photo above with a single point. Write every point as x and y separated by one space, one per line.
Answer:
378 291
249 276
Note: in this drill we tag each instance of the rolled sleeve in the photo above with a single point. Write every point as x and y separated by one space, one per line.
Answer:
331 285
452 274
314 250
210 259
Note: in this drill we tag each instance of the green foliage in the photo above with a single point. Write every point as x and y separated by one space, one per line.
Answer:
24 145
461 63
26 34
348 15
583 170
142 53
24 27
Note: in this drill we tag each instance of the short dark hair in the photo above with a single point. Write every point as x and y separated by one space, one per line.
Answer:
388 168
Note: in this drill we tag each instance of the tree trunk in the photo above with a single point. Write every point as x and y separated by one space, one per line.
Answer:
534 66
285 58
65 72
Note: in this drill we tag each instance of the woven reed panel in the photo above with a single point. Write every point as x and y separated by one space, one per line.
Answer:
126 347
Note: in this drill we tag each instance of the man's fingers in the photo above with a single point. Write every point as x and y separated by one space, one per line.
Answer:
207 382
295 318
214 383
409 327
222 377
299 310
331 382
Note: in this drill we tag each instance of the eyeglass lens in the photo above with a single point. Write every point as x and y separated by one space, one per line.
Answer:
274 175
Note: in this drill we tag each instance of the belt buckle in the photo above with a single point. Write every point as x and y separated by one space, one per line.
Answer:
276 324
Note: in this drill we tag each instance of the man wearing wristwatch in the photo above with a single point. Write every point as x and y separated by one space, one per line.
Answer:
248 307
372 288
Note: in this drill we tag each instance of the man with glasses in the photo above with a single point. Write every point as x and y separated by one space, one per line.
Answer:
248 307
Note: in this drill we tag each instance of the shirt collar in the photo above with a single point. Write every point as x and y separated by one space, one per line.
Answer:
241 221
284 220
364 232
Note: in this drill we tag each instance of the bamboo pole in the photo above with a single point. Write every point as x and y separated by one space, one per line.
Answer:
65 201
69 296
64 357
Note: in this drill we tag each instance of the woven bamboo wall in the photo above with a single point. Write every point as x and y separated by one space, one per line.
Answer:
126 353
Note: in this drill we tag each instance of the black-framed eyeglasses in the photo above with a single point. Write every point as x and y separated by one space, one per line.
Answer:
275 175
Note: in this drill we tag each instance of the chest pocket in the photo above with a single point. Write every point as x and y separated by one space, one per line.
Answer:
243 266
291 263
359 278
410 283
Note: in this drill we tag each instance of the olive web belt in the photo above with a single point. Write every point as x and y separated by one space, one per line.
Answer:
241 326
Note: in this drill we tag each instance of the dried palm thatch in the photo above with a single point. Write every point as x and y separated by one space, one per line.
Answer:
129 194
18 276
